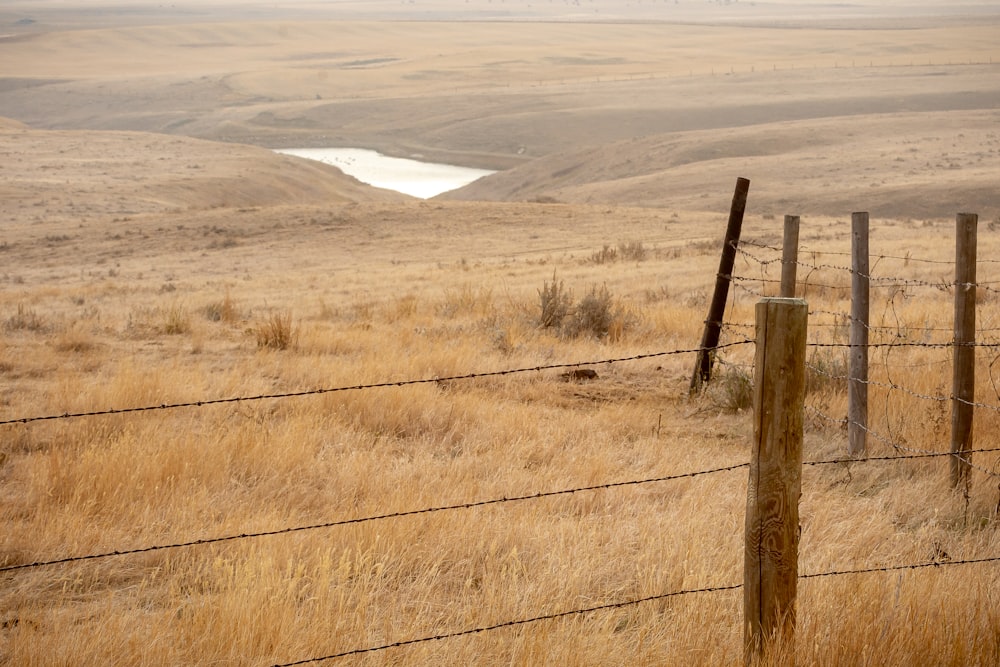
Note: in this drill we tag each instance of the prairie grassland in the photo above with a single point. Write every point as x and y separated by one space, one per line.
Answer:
188 323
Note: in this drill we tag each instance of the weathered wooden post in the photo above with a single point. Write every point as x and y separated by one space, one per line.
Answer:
789 256
717 309
857 370
964 371
770 573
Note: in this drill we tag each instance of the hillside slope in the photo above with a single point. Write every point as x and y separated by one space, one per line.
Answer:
74 174
897 165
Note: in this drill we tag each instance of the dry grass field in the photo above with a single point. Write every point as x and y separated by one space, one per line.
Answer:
154 253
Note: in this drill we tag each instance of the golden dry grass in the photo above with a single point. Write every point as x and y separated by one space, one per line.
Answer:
98 484
143 269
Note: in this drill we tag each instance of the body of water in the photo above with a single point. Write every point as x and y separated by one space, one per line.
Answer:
412 177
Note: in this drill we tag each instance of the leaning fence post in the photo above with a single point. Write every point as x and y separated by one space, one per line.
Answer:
964 371
717 309
770 572
789 256
857 371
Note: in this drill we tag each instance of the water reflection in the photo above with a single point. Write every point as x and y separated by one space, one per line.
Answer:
412 177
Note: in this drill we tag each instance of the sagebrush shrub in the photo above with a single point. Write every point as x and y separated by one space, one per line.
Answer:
25 319
633 251
605 255
556 302
593 315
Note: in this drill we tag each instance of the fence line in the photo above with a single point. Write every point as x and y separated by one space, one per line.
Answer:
919 454
884 385
377 385
942 562
839 314
884 281
922 454
509 624
870 274
877 258
392 515
888 282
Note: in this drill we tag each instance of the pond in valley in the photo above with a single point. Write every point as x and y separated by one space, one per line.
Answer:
412 177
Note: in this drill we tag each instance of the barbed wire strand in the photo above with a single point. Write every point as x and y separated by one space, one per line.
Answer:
904 390
916 453
950 262
376 385
941 345
872 327
627 603
896 568
391 515
922 454
879 281
509 624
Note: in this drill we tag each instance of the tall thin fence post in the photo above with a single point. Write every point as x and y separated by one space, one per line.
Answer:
789 256
770 573
964 371
857 382
717 309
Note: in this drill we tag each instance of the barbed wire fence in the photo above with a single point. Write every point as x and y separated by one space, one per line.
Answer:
891 333
831 327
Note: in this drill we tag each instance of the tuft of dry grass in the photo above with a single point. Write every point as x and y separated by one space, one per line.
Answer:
224 310
176 320
275 331
75 338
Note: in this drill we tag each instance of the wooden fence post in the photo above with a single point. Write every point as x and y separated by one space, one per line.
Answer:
789 256
857 372
964 371
770 573
717 309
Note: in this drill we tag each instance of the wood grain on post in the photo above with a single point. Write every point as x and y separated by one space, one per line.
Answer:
716 310
789 256
857 371
964 371
770 573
